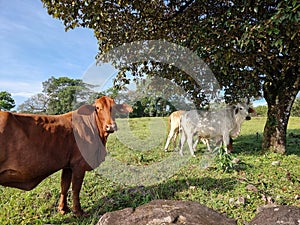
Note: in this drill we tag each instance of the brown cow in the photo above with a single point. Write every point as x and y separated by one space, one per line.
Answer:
35 146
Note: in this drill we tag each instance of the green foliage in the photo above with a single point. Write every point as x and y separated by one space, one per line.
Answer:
296 108
251 47
151 106
261 110
240 41
209 186
65 94
153 97
138 109
224 160
6 101
60 95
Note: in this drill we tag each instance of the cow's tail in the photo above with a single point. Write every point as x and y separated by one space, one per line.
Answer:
182 132
181 129
180 126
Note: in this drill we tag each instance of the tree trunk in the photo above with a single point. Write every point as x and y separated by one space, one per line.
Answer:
275 128
280 97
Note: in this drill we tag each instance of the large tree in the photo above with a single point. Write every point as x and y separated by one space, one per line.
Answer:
252 47
35 104
65 94
60 95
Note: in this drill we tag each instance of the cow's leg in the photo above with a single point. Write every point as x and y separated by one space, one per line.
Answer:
230 147
171 134
206 142
77 179
190 144
226 141
175 137
181 143
195 144
65 185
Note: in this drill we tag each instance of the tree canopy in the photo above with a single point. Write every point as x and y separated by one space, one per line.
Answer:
252 47
6 101
60 95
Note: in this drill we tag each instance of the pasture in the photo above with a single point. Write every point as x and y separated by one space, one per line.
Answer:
138 170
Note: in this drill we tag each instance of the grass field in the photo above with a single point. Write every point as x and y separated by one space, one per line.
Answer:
138 170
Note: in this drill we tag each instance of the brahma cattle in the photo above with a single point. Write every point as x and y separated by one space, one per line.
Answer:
174 124
219 125
35 146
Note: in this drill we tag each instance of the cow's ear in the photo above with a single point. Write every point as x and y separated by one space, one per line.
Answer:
123 108
250 110
236 110
86 110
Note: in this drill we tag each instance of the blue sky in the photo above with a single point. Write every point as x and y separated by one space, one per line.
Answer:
34 46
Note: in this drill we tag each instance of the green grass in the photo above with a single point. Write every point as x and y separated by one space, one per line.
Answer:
138 170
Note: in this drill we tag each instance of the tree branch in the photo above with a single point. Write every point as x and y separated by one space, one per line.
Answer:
181 10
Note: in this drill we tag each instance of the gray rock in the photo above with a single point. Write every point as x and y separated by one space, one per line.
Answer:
240 201
236 161
251 187
276 163
166 212
279 215
231 201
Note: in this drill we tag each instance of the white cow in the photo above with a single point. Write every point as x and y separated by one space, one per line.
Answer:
174 123
219 125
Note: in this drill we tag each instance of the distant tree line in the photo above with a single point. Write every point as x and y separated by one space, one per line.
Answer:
63 94
262 110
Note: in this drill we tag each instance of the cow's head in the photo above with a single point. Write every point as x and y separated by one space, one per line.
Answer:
243 111
106 109
91 126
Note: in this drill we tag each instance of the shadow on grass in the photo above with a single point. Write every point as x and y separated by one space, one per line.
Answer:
251 144
132 197
136 196
123 197
293 142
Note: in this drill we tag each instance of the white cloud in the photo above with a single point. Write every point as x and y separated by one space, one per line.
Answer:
23 94
34 47
21 88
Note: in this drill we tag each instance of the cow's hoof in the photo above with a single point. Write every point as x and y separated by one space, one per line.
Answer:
63 210
80 213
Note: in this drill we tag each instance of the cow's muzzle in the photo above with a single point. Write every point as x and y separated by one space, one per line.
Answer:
111 128
248 117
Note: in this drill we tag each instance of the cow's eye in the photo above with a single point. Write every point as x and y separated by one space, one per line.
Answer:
241 108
